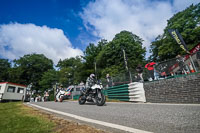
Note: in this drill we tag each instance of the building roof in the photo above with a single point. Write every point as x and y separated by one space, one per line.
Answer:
13 84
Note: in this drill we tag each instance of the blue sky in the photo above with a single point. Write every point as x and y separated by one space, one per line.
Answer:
61 14
61 29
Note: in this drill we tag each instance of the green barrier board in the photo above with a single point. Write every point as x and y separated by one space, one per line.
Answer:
120 86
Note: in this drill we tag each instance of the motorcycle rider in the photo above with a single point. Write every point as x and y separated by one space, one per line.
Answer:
90 81
60 88
57 96
93 92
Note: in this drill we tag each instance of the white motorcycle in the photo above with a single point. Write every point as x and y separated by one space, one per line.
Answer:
94 94
61 94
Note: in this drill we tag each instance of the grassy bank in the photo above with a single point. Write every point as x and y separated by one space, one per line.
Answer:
16 118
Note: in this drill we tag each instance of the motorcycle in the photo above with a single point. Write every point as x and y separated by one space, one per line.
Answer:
61 94
94 94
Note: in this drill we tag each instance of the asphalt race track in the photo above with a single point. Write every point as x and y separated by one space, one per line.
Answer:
139 117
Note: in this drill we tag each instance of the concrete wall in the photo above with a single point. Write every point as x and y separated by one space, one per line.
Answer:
184 89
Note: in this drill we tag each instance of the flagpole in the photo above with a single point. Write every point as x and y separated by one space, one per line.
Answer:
95 69
125 61
192 62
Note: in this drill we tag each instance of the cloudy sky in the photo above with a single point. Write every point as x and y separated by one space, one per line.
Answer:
61 29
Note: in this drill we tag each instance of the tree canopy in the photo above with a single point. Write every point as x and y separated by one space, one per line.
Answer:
29 69
70 71
4 69
48 79
187 22
111 59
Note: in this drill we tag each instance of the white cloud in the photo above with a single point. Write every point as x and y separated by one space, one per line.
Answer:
145 18
17 40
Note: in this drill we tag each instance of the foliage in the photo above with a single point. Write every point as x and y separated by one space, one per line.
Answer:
4 69
70 71
111 58
90 56
49 78
188 24
29 69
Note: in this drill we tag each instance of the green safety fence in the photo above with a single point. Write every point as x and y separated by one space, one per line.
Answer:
128 92
120 92
105 92
119 86
76 97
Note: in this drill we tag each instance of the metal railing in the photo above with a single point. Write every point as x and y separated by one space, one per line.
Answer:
182 65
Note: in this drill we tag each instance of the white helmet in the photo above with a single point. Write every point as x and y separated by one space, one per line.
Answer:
92 76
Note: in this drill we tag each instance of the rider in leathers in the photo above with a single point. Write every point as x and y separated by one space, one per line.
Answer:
90 81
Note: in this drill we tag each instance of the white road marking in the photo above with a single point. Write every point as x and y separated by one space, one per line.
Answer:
107 124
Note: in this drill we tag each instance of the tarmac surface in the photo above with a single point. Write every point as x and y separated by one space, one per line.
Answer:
150 117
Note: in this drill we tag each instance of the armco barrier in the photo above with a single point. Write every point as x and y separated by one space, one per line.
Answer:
128 92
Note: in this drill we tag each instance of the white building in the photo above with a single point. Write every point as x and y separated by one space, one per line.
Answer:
12 91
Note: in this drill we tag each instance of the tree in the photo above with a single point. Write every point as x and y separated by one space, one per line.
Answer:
111 55
188 24
92 51
90 58
30 68
70 71
4 69
49 78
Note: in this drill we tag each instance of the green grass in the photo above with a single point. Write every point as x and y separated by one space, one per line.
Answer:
16 118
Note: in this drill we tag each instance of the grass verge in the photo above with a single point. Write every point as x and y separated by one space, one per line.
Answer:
16 118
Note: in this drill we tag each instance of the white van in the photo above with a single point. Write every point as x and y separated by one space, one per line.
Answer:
12 91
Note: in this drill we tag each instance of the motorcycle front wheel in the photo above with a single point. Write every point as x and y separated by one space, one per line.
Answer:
81 100
61 99
100 98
